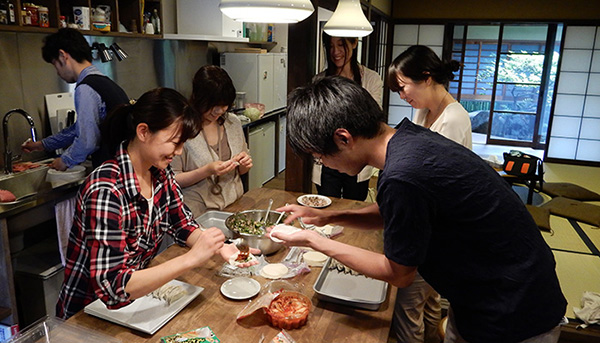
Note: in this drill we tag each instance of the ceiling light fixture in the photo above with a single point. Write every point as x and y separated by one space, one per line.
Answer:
348 20
267 11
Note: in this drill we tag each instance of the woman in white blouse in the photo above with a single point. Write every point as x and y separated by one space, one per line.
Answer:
342 61
420 78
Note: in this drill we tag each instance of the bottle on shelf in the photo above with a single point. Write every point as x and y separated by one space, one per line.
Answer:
44 18
149 28
156 21
4 12
62 22
25 17
12 17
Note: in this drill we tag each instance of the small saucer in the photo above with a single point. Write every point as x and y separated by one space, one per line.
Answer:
240 288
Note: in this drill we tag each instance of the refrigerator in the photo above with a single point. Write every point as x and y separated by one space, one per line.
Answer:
262 76
261 142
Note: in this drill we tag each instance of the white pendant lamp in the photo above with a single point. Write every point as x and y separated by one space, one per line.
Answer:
348 20
267 11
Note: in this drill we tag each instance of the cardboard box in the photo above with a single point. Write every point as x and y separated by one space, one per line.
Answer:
6 331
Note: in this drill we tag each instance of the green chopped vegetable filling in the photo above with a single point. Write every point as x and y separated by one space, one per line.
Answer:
243 224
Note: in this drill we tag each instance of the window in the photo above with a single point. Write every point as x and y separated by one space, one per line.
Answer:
507 80
378 42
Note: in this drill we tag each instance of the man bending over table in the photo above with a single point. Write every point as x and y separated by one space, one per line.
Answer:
444 211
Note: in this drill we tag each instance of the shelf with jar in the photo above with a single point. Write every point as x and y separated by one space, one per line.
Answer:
122 18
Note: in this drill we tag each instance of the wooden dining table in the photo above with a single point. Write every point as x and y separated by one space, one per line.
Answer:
327 322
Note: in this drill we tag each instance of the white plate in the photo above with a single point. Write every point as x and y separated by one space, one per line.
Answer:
305 200
145 314
240 288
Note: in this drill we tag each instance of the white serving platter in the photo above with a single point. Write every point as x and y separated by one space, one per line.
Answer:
145 314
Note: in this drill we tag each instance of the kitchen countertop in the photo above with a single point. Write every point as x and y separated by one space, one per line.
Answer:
328 322
269 116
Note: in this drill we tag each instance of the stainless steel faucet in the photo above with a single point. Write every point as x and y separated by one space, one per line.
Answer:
8 156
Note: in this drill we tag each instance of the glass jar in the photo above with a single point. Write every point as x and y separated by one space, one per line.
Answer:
25 17
31 12
44 17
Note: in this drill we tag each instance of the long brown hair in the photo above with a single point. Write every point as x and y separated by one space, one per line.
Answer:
331 67
212 87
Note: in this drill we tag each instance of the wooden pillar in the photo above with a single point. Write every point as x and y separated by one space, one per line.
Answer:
302 56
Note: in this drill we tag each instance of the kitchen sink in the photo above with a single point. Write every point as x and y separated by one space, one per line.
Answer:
26 185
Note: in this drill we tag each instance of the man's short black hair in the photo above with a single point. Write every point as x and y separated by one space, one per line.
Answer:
314 113
69 40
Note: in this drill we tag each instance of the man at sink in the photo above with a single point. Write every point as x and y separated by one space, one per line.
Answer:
95 96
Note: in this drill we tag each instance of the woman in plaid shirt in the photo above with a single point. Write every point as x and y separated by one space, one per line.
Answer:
128 204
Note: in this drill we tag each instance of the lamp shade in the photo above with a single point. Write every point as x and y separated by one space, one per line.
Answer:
348 20
267 11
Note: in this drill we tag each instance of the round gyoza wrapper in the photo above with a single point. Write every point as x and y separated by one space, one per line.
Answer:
274 271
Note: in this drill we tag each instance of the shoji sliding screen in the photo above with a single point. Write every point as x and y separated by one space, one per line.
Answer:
575 130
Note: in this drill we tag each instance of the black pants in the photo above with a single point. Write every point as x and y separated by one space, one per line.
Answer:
341 185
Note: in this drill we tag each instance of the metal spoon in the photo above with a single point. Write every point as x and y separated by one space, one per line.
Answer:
280 216
268 210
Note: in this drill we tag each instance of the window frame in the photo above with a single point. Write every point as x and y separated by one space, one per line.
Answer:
543 85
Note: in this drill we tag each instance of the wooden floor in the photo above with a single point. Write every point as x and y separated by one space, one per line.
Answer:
278 182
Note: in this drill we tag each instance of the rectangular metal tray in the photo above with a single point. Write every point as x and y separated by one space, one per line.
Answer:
216 219
352 290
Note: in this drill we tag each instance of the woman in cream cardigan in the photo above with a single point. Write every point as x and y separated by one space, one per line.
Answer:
210 166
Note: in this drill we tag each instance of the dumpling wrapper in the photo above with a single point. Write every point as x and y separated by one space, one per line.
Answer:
274 271
288 229
314 258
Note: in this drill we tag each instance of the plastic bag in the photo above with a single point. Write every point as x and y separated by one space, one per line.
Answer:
256 312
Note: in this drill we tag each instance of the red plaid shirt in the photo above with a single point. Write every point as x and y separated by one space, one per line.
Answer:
113 236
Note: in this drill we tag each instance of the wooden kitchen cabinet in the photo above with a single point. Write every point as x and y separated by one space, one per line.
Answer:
125 12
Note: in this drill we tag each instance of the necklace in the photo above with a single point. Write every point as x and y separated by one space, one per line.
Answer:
215 188
432 118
